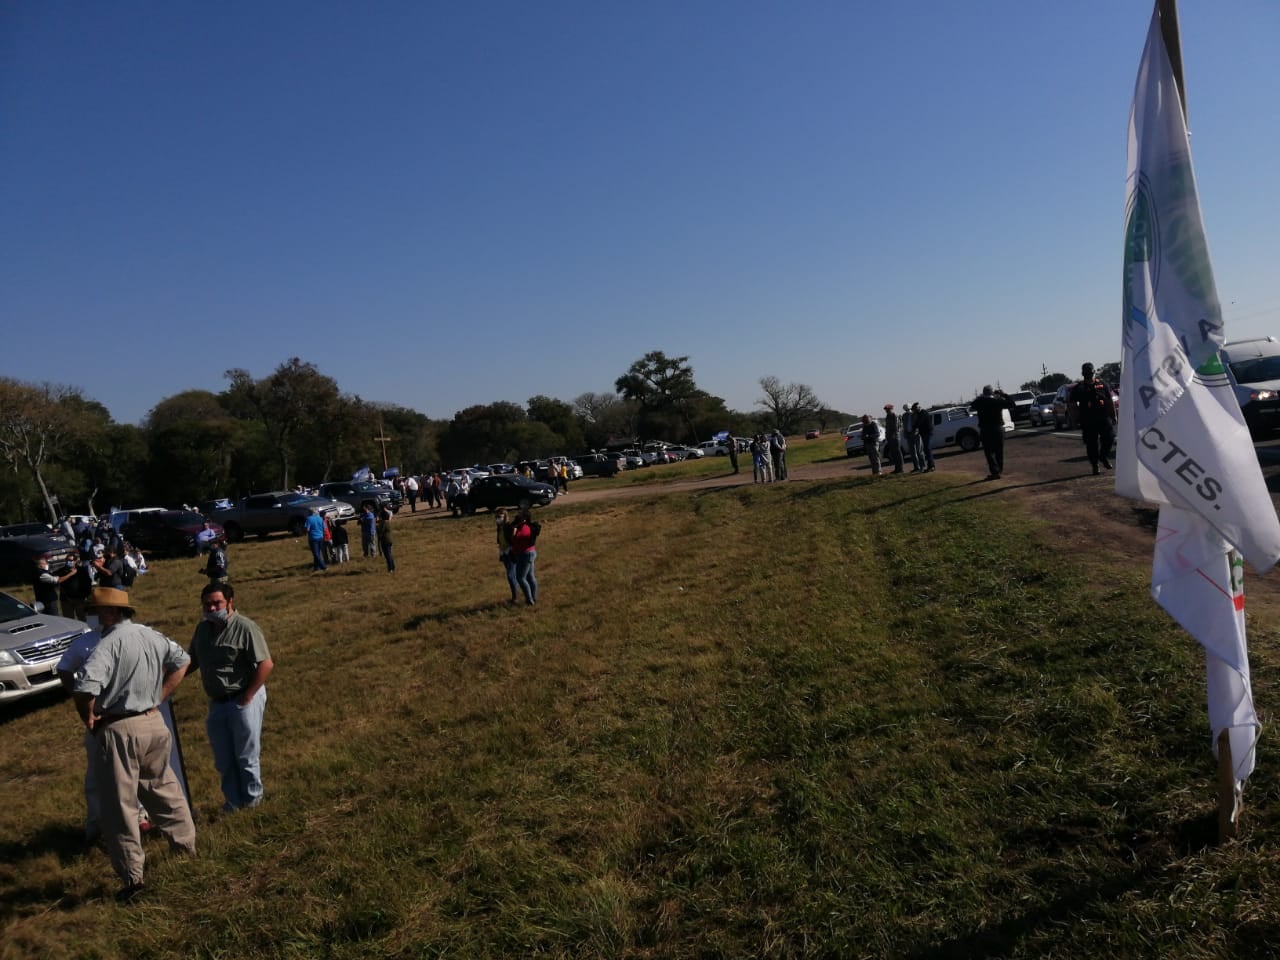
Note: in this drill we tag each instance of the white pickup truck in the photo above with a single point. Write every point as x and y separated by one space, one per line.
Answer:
951 426
959 426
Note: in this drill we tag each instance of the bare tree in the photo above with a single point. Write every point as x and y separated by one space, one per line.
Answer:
35 426
790 405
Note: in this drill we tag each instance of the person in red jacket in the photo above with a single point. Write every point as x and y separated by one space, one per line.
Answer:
524 535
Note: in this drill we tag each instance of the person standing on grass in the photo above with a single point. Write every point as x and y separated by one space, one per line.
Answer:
231 654
990 407
922 426
384 537
215 567
524 536
733 452
46 585
411 491
128 675
368 525
315 539
504 531
341 551
871 442
893 443
778 452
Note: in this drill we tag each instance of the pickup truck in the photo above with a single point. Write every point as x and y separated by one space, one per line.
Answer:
356 492
267 513
959 425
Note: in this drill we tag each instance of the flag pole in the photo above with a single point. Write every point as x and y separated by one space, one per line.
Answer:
1173 46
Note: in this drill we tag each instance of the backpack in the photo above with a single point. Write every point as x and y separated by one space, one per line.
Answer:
535 528
128 573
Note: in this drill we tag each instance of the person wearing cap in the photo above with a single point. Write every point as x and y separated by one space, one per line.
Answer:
1096 414
108 567
231 654
990 407
893 442
215 567
128 675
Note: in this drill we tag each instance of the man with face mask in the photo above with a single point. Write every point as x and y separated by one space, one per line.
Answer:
231 654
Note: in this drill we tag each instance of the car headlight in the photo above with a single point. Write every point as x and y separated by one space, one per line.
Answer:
7 658
1262 394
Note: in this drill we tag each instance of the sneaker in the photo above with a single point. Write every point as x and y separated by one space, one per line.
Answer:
1096 470
1107 464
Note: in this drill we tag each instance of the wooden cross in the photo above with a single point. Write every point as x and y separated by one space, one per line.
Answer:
384 440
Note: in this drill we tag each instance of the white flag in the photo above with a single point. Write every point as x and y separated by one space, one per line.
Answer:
1182 441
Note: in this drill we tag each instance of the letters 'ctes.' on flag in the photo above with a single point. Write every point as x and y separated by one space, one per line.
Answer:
1182 440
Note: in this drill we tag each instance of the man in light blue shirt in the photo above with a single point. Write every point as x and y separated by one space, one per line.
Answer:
315 539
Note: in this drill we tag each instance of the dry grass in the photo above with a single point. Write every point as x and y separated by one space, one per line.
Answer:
817 719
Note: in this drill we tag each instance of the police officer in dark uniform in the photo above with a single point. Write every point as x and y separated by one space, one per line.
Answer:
1096 414
990 407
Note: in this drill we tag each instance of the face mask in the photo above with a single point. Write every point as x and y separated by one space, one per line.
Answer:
216 616
92 622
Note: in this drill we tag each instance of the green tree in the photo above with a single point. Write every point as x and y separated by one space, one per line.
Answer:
665 390
1051 382
559 418
486 433
38 424
294 403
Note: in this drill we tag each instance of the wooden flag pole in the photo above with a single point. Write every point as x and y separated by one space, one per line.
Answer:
1228 821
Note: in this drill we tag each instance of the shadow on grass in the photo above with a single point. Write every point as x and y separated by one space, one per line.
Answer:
1188 838
32 704
63 841
444 616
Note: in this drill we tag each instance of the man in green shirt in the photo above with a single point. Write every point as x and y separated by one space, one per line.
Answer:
232 656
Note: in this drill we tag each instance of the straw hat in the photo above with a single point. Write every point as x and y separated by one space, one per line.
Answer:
109 597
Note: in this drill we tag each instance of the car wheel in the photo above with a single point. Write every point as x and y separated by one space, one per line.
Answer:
233 532
967 441
297 527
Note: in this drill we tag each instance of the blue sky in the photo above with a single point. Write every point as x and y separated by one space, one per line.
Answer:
448 204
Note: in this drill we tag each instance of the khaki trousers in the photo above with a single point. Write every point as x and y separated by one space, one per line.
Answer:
132 759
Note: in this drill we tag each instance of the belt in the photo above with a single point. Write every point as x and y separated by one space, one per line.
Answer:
104 719
233 695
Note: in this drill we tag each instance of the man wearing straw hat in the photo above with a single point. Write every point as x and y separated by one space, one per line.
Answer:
117 691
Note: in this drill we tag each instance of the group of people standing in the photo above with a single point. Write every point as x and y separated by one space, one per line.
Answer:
121 677
768 457
517 539
908 435
330 543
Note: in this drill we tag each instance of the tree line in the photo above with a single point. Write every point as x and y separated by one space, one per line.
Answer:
65 454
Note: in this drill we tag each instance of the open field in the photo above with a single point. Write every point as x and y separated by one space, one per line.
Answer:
829 718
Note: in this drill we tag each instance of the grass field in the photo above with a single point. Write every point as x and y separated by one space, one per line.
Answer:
818 719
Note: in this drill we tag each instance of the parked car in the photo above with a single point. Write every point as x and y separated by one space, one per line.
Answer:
959 425
1022 402
171 532
715 448
507 490
357 492
1253 367
634 459
31 644
280 511
575 471
18 556
813 434
501 468
686 453
1041 410
600 464
28 528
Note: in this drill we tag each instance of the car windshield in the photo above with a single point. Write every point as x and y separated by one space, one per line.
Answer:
1256 369
11 608
186 517
294 498
1045 398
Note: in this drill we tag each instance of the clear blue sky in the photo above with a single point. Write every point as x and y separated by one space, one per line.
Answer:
442 204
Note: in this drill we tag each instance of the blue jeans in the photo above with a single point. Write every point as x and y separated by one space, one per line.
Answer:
509 562
524 576
235 734
317 554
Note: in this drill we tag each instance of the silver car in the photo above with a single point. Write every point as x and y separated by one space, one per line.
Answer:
31 644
